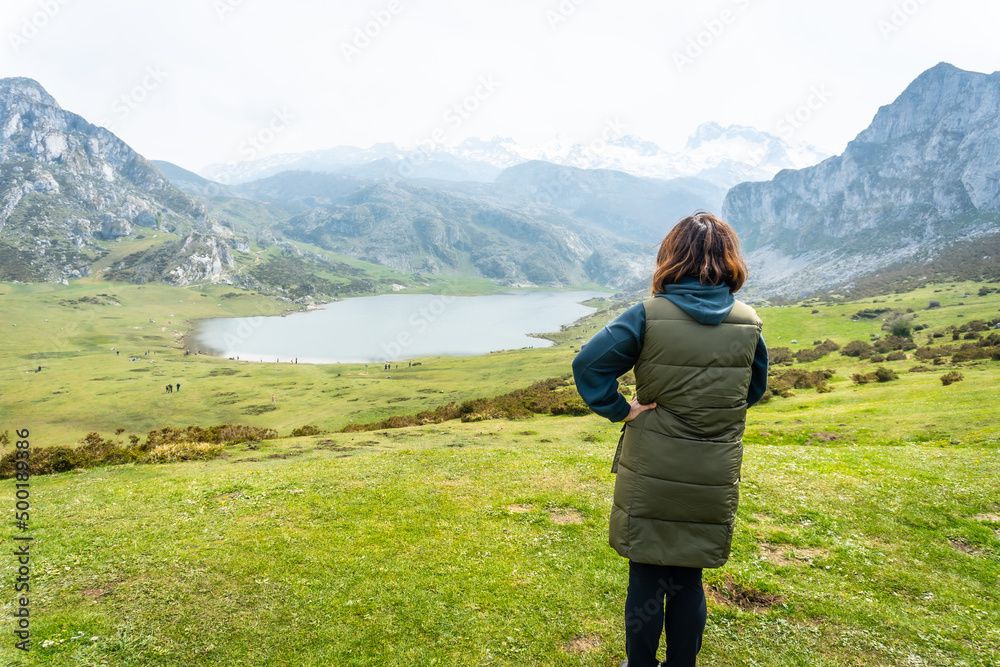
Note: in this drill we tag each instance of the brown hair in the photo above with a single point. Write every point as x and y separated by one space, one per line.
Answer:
703 247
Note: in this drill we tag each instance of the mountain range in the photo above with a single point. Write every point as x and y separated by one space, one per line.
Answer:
921 184
723 156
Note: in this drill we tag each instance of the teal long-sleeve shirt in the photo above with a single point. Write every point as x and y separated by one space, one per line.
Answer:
614 351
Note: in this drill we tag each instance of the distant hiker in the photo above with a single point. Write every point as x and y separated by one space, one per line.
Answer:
178 386
170 388
39 370
409 363
272 398
116 353
699 362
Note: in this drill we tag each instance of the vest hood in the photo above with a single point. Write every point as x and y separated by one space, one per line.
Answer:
708 304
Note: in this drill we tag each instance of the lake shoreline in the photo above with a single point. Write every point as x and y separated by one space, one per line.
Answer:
403 322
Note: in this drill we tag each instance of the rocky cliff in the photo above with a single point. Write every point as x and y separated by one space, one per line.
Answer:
923 175
68 188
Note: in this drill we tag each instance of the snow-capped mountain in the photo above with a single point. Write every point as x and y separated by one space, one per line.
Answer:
723 156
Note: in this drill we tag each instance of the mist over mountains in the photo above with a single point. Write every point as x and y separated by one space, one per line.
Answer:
723 156
921 180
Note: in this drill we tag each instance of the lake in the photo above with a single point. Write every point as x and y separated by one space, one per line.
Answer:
393 327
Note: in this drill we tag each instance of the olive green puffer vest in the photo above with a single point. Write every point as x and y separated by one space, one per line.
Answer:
679 469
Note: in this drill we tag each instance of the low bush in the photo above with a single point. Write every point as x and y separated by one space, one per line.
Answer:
161 445
896 356
556 396
892 342
883 374
782 383
900 325
857 348
779 356
928 353
308 429
821 349
950 377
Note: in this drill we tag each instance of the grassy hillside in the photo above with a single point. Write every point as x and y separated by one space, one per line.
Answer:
869 527
485 543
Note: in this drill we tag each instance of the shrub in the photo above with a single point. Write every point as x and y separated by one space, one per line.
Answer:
308 429
183 451
976 325
876 358
783 382
807 355
968 352
900 324
950 377
780 356
919 369
165 444
863 378
870 313
857 348
934 303
573 406
896 356
552 396
883 374
926 353
892 342
827 345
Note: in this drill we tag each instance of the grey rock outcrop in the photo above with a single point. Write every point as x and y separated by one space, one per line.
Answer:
925 173
74 186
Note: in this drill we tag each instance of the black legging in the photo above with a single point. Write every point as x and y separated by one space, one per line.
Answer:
650 588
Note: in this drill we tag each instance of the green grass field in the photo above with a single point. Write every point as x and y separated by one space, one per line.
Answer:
868 534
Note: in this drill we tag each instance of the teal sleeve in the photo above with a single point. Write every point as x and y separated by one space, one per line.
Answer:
612 352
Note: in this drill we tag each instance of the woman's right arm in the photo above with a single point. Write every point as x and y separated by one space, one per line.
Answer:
612 352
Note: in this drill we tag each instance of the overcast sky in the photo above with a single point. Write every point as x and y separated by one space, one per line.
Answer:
203 81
